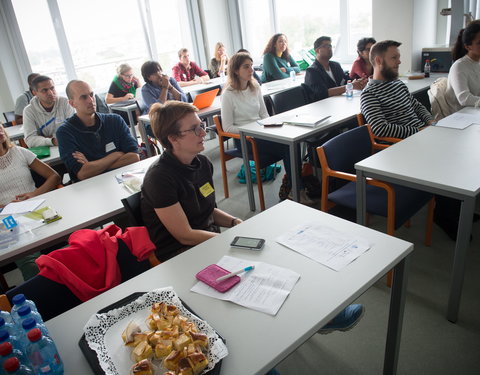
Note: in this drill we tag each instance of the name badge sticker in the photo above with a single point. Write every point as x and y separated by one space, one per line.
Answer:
206 189
9 222
110 147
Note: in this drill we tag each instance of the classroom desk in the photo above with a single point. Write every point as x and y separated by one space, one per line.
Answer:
319 295
218 81
15 132
129 109
274 87
82 205
440 160
339 108
54 158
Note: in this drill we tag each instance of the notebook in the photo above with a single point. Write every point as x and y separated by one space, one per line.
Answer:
205 99
306 120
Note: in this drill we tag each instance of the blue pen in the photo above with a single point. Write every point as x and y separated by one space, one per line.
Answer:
231 274
40 130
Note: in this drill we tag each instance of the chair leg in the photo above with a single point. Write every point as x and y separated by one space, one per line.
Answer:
428 230
260 189
153 260
224 176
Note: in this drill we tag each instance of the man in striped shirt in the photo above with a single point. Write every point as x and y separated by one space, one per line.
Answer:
386 103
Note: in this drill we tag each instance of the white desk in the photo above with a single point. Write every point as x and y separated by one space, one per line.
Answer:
440 160
202 86
280 85
339 108
318 296
83 204
129 109
15 132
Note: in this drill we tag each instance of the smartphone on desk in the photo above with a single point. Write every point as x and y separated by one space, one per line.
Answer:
249 243
273 125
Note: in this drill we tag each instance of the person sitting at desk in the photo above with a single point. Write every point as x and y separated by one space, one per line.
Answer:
242 103
185 71
362 67
277 61
255 75
178 196
326 78
91 143
17 184
463 88
386 103
219 62
24 99
45 113
124 85
158 86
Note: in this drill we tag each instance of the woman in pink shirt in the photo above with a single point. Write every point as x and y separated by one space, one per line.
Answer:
362 66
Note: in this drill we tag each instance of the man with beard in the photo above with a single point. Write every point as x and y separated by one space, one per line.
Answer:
91 143
326 78
386 103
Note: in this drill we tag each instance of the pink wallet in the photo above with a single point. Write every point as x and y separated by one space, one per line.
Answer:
211 273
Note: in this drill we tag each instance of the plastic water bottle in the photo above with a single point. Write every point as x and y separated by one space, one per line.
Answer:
8 351
426 68
14 340
18 301
6 316
10 327
13 366
349 90
43 354
293 75
222 76
25 313
29 324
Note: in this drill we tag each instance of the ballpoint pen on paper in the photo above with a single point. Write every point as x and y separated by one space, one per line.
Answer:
231 274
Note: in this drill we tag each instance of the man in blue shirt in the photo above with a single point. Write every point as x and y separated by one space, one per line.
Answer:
91 143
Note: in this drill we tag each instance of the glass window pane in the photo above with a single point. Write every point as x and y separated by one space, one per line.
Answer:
172 31
360 23
39 39
256 26
102 35
306 20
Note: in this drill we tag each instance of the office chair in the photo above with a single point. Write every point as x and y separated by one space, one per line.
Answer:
289 99
261 161
53 298
397 203
383 142
133 208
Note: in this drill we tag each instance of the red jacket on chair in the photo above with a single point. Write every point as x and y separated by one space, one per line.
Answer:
89 265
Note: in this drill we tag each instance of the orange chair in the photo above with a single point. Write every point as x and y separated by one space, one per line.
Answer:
387 141
229 154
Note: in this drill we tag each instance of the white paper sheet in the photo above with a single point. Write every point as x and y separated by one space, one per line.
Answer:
459 120
264 289
325 245
22 207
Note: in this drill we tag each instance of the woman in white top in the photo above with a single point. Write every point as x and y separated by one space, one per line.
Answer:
16 184
463 88
242 103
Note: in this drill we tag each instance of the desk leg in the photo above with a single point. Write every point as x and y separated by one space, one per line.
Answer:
395 318
459 259
248 174
144 137
361 197
294 173
132 124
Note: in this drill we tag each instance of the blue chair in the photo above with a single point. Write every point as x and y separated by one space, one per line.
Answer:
289 99
397 203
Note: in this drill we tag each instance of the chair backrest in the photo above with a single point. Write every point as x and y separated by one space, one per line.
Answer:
9 116
344 150
133 208
289 99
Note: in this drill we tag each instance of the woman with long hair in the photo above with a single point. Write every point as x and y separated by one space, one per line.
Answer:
362 67
277 61
219 62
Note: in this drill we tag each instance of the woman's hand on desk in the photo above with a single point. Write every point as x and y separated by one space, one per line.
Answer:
23 197
128 96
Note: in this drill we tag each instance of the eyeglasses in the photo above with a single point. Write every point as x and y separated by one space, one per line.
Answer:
197 130
326 46
128 75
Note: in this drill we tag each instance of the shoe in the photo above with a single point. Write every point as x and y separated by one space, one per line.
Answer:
304 198
344 321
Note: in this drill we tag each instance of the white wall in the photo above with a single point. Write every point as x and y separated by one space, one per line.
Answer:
425 29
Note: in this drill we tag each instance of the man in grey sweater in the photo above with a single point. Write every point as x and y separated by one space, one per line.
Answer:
45 113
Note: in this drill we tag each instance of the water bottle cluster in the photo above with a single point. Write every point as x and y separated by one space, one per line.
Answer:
25 345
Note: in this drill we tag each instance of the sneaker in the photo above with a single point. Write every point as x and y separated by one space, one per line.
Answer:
344 321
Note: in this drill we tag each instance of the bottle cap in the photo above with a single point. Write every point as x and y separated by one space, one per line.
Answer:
29 324
18 299
5 348
11 364
4 335
34 335
24 310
